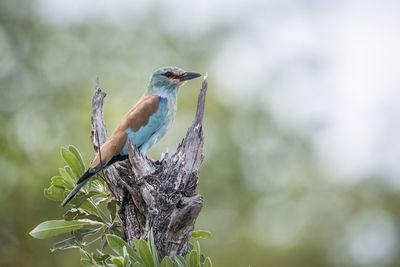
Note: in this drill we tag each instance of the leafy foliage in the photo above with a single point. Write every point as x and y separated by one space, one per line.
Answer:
201 234
92 219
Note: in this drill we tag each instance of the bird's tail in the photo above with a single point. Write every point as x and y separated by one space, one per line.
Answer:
89 174
81 182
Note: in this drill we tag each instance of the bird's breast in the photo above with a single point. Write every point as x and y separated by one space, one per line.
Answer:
172 107
154 122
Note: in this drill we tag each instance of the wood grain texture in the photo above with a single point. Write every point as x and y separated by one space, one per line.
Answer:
158 195
99 137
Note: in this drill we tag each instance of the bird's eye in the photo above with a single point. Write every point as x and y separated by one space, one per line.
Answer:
168 74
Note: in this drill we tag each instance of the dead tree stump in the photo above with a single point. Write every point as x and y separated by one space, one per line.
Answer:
158 195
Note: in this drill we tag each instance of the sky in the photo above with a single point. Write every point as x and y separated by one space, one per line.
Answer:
327 70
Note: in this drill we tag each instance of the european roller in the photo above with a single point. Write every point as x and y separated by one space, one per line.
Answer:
143 125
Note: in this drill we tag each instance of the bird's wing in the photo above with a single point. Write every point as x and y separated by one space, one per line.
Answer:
139 123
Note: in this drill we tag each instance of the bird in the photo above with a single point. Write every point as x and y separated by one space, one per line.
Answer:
143 125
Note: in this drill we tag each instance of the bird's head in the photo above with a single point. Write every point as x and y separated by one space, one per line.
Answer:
169 79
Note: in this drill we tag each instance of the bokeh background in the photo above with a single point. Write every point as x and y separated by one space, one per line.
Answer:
302 125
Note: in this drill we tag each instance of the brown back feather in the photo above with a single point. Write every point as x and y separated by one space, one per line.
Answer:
135 118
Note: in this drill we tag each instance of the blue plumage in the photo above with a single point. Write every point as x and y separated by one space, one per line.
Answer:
163 87
155 122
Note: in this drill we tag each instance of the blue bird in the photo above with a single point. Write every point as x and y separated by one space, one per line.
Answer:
144 124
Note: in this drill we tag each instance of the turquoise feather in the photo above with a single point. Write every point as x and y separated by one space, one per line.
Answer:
164 83
155 122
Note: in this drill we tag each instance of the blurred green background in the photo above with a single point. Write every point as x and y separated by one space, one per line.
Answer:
301 128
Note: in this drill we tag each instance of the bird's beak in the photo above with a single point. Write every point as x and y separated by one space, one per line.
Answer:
189 75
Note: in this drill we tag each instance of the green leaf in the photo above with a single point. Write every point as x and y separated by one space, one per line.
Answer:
98 200
112 208
180 260
189 247
75 214
153 248
201 234
194 259
202 259
196 247
80 234
60 181
54 193
95 185
90 208
71 173
71 242
56 227
101 258
115 229
207 262
86 262
137 264
167 262
126 256
78 156
136 243
145 253
116 243
72 161
84 254
117 261
64 174
81 197
86 258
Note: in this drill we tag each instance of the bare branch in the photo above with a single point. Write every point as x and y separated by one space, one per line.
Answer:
99 136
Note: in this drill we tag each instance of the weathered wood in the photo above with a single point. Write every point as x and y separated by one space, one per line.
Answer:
99 137
157 195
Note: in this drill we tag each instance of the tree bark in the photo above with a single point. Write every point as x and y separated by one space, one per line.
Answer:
158 195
